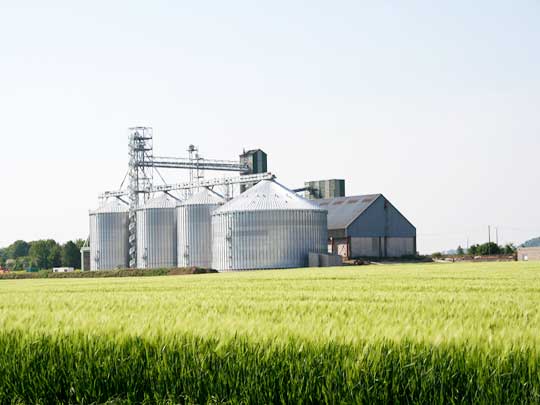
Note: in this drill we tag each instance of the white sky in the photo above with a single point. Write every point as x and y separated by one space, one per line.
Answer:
435 105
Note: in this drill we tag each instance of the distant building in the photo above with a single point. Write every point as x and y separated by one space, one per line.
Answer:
62 269
85 258
324 189
256 161
367 226
528 253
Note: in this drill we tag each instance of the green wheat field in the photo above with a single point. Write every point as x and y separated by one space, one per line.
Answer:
415 333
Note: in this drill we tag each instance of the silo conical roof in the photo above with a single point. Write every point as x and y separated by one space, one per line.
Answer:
204 197
162 201
268 195
111 206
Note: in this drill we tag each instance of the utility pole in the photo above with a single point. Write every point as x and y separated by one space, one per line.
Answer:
489 240
497 235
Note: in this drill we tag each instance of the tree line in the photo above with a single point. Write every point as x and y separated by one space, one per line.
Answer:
484 249
489 248
41 254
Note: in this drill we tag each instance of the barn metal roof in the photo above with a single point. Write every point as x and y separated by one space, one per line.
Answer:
342 211
268 195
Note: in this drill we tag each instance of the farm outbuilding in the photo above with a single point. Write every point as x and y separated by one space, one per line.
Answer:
367 226
528 253
63 269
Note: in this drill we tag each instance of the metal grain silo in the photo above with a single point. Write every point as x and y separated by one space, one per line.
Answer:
156 233
109 237
195 229
267 227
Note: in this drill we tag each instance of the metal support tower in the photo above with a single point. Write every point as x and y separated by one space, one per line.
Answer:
140 180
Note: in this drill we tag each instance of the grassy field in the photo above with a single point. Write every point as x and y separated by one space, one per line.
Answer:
416 333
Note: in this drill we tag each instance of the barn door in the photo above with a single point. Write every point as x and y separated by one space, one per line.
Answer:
342 246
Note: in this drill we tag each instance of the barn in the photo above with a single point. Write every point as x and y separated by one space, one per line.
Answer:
367 226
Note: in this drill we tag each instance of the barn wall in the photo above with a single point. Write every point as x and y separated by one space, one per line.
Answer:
366 247
526 254
382 247
397 247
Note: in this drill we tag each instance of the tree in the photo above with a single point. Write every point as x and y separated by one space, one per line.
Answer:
55 256
3 257
39 252
22 263
460 251
19 248
509 249
473 250
71 256
79 243
490 248
45 253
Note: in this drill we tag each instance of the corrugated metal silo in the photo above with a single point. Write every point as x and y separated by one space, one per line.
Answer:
195 229
156 233
267 227
109 237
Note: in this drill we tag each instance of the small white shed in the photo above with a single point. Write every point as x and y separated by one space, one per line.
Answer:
62 269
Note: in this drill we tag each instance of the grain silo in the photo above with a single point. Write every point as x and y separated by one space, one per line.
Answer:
195 229
156 233
267 227
109 237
